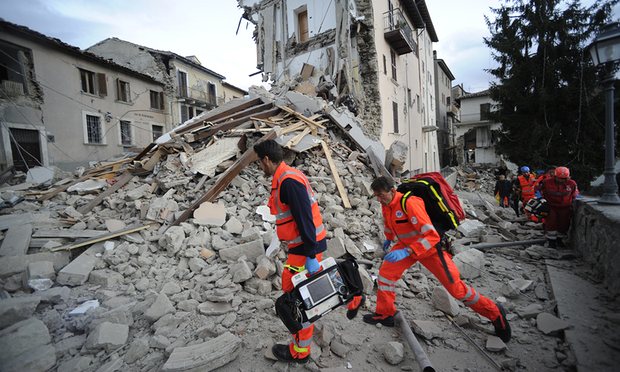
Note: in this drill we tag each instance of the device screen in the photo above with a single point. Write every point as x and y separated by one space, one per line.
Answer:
320 289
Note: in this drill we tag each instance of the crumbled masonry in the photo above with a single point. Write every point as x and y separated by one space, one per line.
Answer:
194 290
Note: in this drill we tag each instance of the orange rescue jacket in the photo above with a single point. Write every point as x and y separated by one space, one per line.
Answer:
286 228
527 187
413 228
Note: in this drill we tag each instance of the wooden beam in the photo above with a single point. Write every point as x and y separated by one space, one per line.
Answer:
224 180
295 140
68 233
249 111
124 178
208 132
145 151
339 185
301 117
214 117
101 238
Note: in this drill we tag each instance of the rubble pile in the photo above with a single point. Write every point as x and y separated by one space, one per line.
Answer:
166 267
476 177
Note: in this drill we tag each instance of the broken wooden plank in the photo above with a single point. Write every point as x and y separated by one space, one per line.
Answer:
62 188
295 140
208 132
249 111
126 177
101 238
146 150
68 233
16 240
201 183
224 180
211 118
152 161
339 185
301 116
292 128
377 166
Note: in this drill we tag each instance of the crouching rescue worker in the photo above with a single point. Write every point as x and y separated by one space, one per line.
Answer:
559 191
299 223
416 240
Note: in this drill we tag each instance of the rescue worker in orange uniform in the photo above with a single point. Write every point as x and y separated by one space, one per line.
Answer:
527 183
299 223
559 191
416 242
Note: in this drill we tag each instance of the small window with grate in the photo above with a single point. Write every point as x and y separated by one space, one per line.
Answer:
94 131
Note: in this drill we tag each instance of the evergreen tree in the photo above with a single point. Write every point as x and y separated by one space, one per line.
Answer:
548 92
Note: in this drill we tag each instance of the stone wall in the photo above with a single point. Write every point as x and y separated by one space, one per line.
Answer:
595 233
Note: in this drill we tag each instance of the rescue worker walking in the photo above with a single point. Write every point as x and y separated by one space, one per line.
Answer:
502 190
300 224
526 186
559 191
416 242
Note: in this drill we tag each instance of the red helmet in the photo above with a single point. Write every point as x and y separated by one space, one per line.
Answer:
562 172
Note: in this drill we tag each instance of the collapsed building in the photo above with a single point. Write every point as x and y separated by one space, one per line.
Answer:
375 57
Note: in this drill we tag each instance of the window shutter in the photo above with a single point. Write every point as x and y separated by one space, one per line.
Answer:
161 100
101 85
118 89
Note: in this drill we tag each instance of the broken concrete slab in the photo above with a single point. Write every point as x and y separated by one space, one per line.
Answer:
40 175
530 311
251 250
77 272
471 228
214 308
105 278
39 275
137 349
335 248
14 309
394 352
470 263
16 241
88 186
495 344
108 336
206 356
114 225
241 272
210 214
205 161
233 226
172 240
264 268
77 364
442 300
25 347
550 325
426 328
54 295
159 308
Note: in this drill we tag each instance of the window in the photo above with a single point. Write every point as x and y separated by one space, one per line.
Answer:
122 91
395 116
384 66
485 111
157 130
93 83
393 58
11 70
126 133
182 81
302 25
212 93
417 100
409 97
157 100
448 100
187 112
93 129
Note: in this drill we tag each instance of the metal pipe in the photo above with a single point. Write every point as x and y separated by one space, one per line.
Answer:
484 353
420 354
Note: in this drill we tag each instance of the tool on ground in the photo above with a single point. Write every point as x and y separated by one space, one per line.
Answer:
471 341
414 344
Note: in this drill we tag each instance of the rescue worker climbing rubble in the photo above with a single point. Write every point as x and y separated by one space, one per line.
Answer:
559 191
299 223
527 182
416 242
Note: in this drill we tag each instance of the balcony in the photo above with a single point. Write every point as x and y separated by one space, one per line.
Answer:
398 33
453 111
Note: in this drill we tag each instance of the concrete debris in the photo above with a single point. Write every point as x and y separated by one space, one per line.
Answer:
40 175
179 294
206 356
549 324
87 186
26 346
495 344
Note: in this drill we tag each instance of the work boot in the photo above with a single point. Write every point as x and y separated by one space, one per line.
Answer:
552 243
374 318
502 328
283 353
352 313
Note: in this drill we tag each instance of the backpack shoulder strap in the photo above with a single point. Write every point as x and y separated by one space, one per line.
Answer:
403 201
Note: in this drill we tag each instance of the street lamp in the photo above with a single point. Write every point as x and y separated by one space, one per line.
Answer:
605 48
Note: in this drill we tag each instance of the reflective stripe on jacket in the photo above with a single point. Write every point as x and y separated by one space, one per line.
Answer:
559 194
286 227
527 187
413 229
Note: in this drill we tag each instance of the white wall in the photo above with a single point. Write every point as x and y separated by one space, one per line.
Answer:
321 16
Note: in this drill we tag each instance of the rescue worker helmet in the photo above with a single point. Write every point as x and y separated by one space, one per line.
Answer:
525 169
562 172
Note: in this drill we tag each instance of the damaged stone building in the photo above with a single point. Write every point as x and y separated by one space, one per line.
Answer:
375 57
62 106
446 112
191 88
476 132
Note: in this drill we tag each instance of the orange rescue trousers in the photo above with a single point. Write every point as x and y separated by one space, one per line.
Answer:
391 272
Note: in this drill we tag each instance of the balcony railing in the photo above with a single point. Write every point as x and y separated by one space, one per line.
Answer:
398 32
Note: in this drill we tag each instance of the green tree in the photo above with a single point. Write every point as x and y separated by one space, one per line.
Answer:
548 92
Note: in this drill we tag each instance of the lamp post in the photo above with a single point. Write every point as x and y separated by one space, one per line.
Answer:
605 49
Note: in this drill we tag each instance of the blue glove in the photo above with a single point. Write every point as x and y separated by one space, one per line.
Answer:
386 245
312 265
397 255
